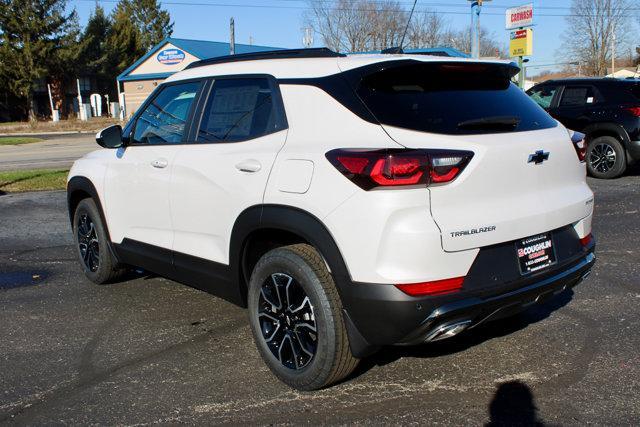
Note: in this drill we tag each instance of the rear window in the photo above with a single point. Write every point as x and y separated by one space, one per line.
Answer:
577 96
451 98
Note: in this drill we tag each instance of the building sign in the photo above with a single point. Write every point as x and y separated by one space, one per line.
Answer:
521 16
170 56
521 42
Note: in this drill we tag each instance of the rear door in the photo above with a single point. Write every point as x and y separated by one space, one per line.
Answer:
224 167
524 178
577 107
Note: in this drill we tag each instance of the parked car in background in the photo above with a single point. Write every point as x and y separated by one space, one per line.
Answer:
606 110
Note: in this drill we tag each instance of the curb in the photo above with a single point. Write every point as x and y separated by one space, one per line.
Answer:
57 133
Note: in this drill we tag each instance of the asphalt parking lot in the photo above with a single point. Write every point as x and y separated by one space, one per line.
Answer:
149 350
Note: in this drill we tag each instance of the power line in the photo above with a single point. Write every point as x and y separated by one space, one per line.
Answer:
264 6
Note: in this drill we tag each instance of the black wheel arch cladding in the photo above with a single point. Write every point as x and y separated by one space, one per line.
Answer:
78 188
312 231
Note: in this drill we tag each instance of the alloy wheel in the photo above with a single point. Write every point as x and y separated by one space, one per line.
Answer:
88 243
287 321
603 157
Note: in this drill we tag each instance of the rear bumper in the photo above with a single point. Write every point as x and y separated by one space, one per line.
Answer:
379 315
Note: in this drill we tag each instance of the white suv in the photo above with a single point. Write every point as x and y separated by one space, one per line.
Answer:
349 202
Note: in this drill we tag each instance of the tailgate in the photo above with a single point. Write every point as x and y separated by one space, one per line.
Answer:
501 196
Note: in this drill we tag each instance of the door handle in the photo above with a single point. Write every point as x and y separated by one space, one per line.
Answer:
160 163
249 166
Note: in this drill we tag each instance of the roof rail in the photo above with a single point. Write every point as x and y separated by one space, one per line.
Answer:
318 52
392 50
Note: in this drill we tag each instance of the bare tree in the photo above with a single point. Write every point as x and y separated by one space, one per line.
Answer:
427 29
357 25
461 40
362 25
593 28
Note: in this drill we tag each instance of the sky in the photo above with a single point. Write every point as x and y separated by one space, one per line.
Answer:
280 22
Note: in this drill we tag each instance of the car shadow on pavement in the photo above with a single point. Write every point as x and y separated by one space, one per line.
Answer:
466 340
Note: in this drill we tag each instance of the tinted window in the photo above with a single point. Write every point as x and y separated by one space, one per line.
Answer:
163 119
577 96
237 110
635 90
543 95
451 98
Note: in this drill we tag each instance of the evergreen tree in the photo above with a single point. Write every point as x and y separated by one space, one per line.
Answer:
35 35
153 23
94 50
136 26
123 42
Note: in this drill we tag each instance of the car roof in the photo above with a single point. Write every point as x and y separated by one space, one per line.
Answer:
588 80
307 67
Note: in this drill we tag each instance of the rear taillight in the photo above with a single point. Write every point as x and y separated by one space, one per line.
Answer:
437 287
633 110
586 240
579 144
399 167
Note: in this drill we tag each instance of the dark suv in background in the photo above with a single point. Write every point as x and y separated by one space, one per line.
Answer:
606 110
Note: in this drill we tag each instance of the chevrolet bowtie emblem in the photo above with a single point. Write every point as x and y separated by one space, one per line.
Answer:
538 157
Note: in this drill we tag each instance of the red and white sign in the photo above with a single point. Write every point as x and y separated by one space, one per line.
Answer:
521 16
520 34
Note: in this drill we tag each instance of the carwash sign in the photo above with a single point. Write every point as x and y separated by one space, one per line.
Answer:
518 17
170 56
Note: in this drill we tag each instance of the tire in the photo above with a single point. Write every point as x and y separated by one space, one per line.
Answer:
606 158
92 245
291 292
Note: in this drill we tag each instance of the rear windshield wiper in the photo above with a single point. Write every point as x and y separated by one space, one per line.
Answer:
497 122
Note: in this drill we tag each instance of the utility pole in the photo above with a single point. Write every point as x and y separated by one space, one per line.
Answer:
54 112
307 38
613 53
81 110
476 8
232 37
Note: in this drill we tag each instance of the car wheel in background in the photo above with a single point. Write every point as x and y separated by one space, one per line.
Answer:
606 157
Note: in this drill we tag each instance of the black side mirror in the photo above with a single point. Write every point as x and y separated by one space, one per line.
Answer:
110 137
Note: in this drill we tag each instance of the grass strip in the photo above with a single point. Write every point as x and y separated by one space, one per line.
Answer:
18 140
33 180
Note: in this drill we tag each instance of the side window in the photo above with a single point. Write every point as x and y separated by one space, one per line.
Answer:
577 96
543 96
239 109
164 118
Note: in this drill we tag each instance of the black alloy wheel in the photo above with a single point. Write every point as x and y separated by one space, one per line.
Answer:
296 318
88 243
602 157
606 157
93 246
287 321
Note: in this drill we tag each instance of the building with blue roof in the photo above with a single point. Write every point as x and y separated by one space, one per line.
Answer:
166 58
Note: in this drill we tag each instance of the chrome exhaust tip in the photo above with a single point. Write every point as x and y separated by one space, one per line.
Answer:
447 330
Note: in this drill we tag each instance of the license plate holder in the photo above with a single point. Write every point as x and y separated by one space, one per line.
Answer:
535 253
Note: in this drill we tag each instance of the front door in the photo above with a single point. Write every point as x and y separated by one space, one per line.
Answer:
139 175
